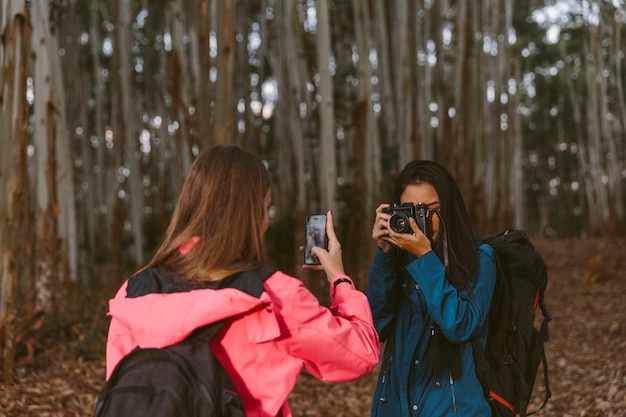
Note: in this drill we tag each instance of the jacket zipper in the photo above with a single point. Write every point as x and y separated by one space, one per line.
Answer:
383 380
453 396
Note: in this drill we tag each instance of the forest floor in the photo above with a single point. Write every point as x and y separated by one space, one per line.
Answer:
586 352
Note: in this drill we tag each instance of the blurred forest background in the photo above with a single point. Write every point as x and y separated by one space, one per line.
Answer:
105 104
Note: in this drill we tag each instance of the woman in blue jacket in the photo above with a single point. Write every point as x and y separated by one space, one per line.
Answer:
430 288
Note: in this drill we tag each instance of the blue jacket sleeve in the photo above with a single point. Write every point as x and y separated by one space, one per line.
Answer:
459 314
382 292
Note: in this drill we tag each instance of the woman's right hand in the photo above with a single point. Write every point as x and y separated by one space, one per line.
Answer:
380 234
331 260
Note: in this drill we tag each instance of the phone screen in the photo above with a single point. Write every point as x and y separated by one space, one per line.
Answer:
314 235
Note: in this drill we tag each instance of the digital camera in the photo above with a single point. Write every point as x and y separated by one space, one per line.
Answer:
400 214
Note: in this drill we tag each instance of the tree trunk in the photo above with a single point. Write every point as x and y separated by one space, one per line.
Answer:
224 124
367 171
242 76
328 169
462 123
15 52
518 201
200 57
125 130
579 129
620 125
45 162
610 129
388 125
600 201
403 88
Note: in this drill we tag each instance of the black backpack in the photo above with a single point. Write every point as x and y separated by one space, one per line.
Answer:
184 379
508 366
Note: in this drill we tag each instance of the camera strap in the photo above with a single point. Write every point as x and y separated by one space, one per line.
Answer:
445 238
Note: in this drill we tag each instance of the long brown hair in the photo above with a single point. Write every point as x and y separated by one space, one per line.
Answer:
221 203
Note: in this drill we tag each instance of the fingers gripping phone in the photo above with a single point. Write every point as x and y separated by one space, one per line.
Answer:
314 235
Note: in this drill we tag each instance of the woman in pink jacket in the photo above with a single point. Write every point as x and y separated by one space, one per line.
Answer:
217 231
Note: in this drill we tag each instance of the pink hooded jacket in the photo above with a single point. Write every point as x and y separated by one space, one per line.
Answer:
265 349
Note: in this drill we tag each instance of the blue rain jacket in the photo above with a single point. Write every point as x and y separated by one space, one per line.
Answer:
406 304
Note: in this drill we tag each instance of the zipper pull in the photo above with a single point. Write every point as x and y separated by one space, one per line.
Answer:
453 396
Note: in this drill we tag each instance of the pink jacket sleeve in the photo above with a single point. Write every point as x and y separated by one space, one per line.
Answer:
337 344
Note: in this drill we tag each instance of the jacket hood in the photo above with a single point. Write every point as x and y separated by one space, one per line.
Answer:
158 314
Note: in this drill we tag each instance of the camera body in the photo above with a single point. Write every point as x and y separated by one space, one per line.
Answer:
400 214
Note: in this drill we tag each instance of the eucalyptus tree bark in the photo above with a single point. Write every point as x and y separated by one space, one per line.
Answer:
289 155
172 156
224 123
609 136
459 129
612 134
401 67
179 72
14 66
57 234
75 113
97 215
126 132
367 150
620 127
414 124
600 203
518 201
515 191
476 104
200 57
507 162
489 155
328 169
425 78
442 91
291 78
241 77
44 140
579 137
382 43
65 173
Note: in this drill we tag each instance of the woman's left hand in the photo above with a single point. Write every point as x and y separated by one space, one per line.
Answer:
416 243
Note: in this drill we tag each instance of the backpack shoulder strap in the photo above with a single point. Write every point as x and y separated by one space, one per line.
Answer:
479 357
250 282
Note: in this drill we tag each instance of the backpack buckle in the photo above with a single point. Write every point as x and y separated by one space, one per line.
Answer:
507 359
511 326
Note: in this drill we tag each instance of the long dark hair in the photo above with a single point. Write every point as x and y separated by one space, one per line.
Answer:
455 241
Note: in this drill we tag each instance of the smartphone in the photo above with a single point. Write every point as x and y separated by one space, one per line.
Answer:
314 235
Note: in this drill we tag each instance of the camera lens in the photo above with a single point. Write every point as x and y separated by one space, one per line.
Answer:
399 223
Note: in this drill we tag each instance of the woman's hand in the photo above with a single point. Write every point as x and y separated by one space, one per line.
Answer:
379 231
416 243
331 259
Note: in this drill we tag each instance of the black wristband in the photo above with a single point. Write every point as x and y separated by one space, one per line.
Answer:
340 280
